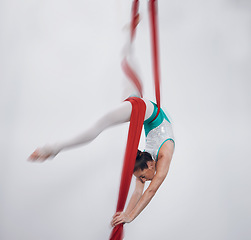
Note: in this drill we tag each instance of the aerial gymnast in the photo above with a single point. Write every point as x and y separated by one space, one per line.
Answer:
152 164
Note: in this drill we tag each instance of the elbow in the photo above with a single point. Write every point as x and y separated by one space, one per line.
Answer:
152 189
151 192
137 194
161 175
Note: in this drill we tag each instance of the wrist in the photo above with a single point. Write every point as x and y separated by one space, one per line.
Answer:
130 217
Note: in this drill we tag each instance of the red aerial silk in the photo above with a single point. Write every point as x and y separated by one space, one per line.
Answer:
138 109
128 70
134 16
135 128
130 73
153 11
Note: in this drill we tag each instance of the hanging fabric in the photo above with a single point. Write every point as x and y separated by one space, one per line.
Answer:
153 12
138 109
134 18
135 128
130 73
128 70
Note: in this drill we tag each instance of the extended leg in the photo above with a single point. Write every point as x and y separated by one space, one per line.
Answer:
132 85
116 116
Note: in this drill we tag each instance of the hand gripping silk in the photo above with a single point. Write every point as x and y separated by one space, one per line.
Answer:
135 128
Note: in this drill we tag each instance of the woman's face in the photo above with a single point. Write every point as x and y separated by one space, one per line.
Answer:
146 174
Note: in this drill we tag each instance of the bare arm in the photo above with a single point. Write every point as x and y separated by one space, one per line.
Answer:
139 188
161 173
151 190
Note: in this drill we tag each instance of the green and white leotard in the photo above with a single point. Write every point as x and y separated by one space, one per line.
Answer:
157 132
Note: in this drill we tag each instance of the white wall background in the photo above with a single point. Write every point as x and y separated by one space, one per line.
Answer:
60 70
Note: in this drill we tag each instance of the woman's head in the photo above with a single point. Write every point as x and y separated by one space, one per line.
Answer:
144 168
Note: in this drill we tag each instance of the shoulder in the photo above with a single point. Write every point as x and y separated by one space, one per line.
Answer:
166 150
164 158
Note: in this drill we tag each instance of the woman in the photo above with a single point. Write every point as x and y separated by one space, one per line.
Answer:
151 165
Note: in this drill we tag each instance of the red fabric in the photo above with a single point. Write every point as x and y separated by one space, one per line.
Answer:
134 16
153 11
135 128
130 73
138 110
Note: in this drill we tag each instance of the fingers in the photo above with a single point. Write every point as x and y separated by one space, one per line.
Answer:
116 217
117 220
116 214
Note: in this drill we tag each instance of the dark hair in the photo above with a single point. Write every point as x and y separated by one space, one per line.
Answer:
141 160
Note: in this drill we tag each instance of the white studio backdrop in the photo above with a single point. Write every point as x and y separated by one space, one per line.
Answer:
60 70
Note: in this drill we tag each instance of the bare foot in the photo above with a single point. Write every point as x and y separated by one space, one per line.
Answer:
41 154
136 20
135 23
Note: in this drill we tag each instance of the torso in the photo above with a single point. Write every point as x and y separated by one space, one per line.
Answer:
157 132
